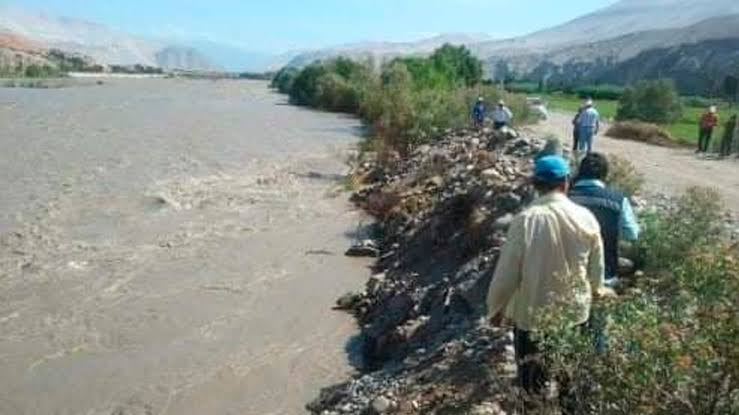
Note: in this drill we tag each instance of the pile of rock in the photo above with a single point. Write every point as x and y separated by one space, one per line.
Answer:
442 219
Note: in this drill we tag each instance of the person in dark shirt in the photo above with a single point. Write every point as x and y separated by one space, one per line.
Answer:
612 209
479 113
730 135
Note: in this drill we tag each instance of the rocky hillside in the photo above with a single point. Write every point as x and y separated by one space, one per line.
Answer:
696 57
17 51
102 44
624 17
598 46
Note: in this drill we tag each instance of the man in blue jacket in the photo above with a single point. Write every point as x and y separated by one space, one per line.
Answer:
612 209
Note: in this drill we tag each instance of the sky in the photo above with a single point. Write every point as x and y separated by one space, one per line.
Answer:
281 25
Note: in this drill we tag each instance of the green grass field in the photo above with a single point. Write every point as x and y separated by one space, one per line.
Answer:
685 130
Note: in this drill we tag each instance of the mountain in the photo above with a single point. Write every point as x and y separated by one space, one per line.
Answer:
102 44
380 51
18 51
688 40
621 18
696 57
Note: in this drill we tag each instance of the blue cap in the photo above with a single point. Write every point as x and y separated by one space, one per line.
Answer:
551 169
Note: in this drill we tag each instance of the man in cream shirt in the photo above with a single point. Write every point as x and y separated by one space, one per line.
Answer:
553 260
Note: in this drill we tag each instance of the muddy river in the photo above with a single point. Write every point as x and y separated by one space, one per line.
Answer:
171 247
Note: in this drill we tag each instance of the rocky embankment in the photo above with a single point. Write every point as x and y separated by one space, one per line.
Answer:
442 220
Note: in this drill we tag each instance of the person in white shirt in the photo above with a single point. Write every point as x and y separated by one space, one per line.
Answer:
502 116
553 261
588 124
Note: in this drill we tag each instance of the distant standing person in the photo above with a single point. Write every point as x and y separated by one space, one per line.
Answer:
502 116
708 122
576 130
588 123
730 135
479 112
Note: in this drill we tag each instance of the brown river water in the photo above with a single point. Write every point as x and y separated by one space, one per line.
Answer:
171 247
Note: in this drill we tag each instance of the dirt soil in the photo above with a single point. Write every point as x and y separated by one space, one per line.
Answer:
667 170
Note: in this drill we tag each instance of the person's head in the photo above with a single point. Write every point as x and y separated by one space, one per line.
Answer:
594 167
712 109
501 103
551 174
588 103
481 100
553 147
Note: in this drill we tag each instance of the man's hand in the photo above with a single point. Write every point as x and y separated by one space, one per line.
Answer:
605 293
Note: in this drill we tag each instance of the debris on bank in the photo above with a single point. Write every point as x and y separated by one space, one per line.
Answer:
442 217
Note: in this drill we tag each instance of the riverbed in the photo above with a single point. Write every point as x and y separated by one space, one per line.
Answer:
171 247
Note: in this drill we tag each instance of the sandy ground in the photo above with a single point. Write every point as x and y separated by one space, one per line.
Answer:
668 171
171 247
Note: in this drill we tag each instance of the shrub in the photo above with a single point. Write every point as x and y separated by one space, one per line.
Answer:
305 85
457 63
336 93
641 131
695 224
408 102
651 101
671 347
623 176
283 79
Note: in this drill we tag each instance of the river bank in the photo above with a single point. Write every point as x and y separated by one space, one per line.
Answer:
171 247
443 214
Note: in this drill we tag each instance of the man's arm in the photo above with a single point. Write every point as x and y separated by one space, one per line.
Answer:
507 275
630 229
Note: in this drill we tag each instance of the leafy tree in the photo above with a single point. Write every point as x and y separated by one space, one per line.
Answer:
651 101
305 85
458 63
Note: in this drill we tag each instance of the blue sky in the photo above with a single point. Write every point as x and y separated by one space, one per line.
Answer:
281 25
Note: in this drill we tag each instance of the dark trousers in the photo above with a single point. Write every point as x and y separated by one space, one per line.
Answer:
498 125
531 374
726 145
704 139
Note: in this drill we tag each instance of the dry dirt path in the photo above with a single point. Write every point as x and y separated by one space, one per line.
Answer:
666 170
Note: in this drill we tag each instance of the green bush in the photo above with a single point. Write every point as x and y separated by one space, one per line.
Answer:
283 79
669 237
39 71
672 344
407 102
651 101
